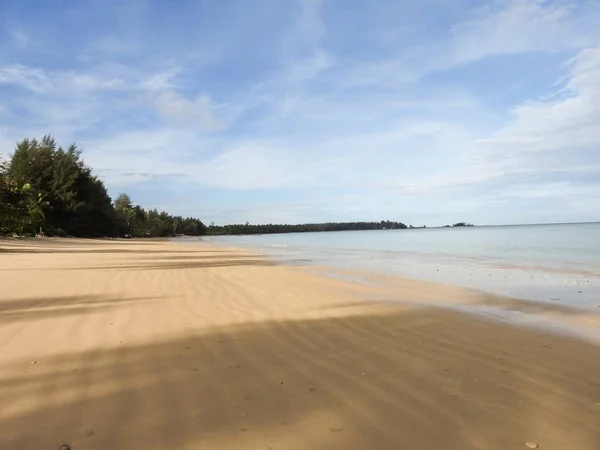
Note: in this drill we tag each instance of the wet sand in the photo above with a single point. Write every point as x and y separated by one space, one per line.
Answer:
151 345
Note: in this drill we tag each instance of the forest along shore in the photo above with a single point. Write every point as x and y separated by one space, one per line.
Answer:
149 344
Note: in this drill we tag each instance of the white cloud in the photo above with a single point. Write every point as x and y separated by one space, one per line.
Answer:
255 166
128 158
197 113
32 79
79 99
40 81
21 37
544 138
353 160
520 26
313 119
498 28
302 60
309 27
565 123
161 80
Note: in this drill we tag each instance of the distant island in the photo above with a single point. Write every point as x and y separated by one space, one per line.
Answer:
459 224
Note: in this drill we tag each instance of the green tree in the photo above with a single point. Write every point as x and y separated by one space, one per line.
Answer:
125 212
62 193
13 213
44 187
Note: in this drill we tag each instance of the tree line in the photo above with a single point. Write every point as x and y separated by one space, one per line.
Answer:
45 189
48 190
303 228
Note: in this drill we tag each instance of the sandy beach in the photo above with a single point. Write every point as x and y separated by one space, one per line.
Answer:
108 344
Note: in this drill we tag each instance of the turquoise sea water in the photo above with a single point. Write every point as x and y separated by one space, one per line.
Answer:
551 263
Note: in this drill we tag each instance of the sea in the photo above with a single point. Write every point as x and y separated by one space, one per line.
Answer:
558 263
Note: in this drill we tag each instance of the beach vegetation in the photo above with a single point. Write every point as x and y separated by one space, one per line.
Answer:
48 190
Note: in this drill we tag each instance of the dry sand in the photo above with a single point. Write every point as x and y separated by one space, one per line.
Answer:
149 345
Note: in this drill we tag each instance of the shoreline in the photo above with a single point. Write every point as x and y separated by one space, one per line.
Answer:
577 315
572 320
570 284
140 344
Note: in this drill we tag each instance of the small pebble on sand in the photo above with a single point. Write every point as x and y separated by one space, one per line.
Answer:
531 445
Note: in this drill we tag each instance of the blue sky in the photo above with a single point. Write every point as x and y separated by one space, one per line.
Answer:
425 112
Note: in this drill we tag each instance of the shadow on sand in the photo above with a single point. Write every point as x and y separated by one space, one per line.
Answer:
204 264
74 251
400 380
44 307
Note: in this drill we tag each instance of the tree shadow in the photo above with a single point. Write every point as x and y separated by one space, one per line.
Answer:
181 265
201 256
15 310
406 379
73 251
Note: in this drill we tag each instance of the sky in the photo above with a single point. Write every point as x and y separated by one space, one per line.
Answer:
292 111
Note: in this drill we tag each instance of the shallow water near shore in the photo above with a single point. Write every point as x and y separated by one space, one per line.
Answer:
557 264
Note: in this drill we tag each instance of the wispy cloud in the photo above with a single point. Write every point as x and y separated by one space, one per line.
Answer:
20 36
562 124
256 111
197 112
495 29
544 139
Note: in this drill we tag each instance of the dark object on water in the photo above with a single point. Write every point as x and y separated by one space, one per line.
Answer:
64 447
